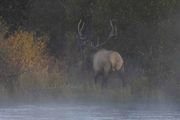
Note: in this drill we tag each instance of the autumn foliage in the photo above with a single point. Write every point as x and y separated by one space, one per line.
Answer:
25 50
25 63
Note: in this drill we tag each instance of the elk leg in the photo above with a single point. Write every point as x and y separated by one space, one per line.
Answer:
123 79
104 81
96 77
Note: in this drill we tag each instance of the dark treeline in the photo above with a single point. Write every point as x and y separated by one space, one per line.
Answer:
148 33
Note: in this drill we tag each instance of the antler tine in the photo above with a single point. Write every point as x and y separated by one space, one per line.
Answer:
111 34
92 44
80 28
97 43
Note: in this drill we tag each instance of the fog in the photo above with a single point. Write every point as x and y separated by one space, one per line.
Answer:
46 62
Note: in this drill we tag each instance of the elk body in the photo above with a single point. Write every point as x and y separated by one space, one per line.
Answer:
104 61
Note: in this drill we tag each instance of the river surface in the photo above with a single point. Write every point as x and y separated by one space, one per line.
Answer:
81 111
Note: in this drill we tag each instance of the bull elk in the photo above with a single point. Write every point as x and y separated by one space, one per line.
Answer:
104 61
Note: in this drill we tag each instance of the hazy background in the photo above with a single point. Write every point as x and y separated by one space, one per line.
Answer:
40 54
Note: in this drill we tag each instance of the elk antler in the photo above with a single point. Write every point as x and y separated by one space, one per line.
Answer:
81 38
80 28
112 33
113 30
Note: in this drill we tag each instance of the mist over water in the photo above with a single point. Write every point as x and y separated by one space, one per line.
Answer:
89 111
59 84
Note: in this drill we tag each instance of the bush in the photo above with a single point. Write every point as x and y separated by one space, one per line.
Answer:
25 50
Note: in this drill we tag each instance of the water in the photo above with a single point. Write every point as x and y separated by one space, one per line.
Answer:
76 111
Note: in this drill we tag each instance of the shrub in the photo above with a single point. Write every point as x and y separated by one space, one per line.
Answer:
25 51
